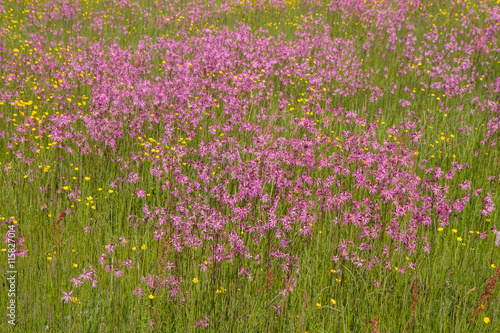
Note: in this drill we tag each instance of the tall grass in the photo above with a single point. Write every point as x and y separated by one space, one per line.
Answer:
250 166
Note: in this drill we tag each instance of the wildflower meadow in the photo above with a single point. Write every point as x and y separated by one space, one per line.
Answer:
249 166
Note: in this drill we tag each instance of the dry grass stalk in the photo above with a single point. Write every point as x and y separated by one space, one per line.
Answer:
304 303
414 301
270 279
57 227
163 255
486 297
374 323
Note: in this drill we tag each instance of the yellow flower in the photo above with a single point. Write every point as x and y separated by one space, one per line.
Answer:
144 246
416 153
338 280
318 305
110 191
151 296
75 265
65 188
75 299
493 266
49 258
134 248
195 280
454 230
459 239
486 320
440 229
333 301
87 178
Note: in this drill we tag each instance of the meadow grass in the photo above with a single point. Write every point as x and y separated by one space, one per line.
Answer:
250 166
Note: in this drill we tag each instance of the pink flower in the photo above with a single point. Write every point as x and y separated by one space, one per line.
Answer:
76 282
141 193
138 292
67 296
87 275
